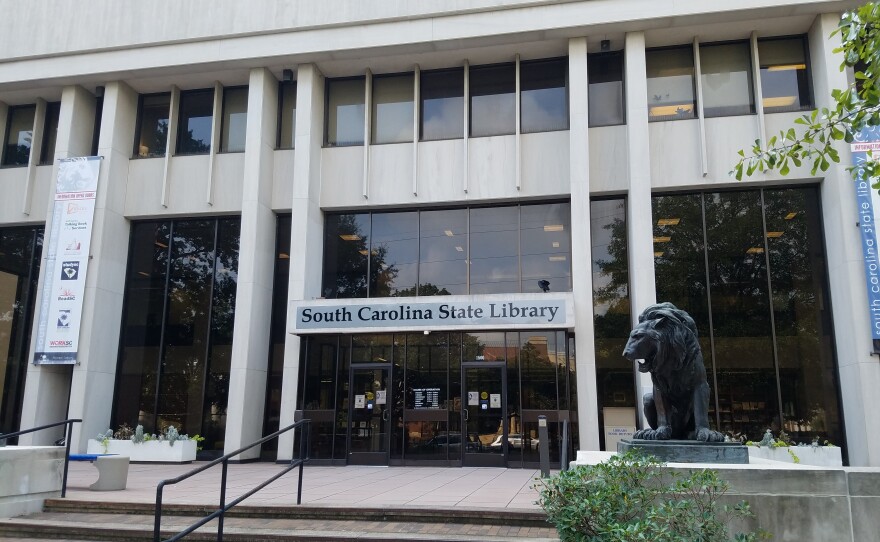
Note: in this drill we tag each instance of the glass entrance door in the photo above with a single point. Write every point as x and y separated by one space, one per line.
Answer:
369 425
484 419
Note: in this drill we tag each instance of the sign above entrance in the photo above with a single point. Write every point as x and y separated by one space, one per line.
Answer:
523 311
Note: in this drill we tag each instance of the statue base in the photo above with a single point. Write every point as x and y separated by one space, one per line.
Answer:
689 451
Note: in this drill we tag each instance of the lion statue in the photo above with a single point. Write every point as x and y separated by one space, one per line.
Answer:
664 343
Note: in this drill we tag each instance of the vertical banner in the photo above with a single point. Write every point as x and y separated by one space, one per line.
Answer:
868 202
67 261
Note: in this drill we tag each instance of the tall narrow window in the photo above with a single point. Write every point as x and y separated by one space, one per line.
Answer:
785 79
345 112
442 110
392 109
605 98
19 135
233 131
494 250
544 95
153 125
726 76
194 121
443 252
96 130
545 247
670 75
50 133
394 254
287 115
493 100
346 251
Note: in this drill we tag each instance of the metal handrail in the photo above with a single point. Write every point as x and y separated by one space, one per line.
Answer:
305 434
67 434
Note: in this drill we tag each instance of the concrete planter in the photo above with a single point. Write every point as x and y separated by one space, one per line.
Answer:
820 456
154 451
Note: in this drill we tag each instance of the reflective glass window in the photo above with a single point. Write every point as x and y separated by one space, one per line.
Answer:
615 378
345 112
152 137
287 116
19 135
234 125
50 133
494 247
671 94
426 398
178 319
492 100
392 109
443 252
20 253
194 121
277 335
346 251
606 91
726 74
394 254
544 95
442 104
785 79
545 247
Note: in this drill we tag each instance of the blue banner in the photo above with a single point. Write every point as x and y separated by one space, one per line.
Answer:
867 141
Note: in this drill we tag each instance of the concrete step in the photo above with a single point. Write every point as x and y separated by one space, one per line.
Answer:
124 522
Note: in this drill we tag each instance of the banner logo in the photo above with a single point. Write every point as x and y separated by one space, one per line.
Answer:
66 295
64 319
70 271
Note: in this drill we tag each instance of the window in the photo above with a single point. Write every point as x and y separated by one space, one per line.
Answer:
442 109
287 115
726 76
492 100
606 92
670 75
448 252
96 129
234 128
177 324
392 109
785 81
543 95
152 129
50 133
19 135
345 112
194 122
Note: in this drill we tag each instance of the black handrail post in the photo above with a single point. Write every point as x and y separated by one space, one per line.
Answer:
222 501
157 521
67 438
302 455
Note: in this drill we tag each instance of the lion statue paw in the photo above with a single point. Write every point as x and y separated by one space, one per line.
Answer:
661 433
704 434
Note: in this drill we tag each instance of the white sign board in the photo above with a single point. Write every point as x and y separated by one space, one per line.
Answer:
67 261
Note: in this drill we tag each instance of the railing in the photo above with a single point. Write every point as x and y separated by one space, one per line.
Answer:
304 427
67 435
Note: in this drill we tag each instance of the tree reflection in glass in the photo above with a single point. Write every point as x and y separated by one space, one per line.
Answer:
394 253
443 251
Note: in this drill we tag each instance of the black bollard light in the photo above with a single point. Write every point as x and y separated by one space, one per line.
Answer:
543 446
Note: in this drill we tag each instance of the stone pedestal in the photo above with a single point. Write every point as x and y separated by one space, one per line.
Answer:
688 451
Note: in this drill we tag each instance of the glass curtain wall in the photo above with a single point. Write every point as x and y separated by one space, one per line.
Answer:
750 269
19 135
177 327
612 318
480 250
425 392
20 251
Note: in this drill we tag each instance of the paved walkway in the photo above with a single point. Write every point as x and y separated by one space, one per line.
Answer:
484 488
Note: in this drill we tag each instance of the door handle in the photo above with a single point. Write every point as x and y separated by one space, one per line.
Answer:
466 416
385 415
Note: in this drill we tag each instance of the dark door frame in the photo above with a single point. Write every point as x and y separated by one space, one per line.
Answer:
370 458
483 459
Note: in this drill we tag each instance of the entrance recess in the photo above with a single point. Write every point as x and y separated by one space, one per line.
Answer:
369 422
484 414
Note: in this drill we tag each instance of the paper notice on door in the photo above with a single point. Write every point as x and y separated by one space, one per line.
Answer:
360 401
473 398
380 397
495 400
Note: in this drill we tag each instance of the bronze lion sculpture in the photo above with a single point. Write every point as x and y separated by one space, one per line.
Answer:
664 343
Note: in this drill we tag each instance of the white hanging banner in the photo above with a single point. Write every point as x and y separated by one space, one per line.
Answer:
67 261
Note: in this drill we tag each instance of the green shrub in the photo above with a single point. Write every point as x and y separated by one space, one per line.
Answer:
630 498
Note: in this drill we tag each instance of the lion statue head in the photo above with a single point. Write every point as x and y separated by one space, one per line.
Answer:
662 340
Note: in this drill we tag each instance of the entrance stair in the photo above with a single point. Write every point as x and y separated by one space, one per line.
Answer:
89 521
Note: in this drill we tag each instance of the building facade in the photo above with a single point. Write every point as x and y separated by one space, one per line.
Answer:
425 225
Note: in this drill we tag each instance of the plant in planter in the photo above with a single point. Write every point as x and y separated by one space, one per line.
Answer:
783 448
168 446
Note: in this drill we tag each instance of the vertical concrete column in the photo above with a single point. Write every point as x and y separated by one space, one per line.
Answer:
253 300
581 267
858 370
307 228
89 384
640 231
